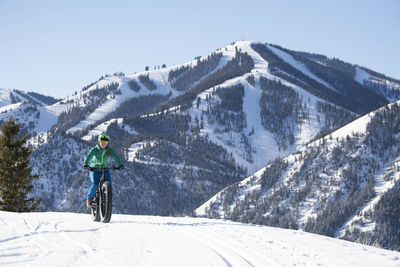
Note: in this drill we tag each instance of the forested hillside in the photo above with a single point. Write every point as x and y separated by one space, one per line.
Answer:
343 185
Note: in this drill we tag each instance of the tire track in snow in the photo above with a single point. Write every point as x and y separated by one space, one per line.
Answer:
174 243
82 247
167 241
230 255
32 240
24 234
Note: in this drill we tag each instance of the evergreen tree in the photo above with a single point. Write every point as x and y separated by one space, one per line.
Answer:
15 172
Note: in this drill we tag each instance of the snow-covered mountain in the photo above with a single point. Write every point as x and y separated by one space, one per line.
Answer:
69 239
27 108
9 97
306 79
343 185
188 131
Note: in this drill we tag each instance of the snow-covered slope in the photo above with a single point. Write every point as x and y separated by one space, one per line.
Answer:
5 99
263 144
336 185
253 182
30 109
69 239
8 97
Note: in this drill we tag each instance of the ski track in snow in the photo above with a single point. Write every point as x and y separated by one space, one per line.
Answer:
69 239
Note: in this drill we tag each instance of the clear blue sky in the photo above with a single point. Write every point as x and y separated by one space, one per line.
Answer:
58 47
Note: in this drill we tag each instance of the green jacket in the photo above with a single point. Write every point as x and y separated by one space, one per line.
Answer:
100 157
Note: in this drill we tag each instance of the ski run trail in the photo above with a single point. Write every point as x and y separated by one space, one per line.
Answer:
70 239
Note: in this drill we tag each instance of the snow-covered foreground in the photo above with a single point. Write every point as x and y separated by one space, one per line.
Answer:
69 239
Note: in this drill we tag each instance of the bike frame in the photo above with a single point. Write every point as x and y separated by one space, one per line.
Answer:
101 209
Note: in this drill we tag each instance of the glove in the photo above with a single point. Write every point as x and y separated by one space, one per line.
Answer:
86 167
121 167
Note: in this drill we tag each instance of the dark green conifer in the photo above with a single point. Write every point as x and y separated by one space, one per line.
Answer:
15 173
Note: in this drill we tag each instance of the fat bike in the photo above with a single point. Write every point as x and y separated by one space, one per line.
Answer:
102 201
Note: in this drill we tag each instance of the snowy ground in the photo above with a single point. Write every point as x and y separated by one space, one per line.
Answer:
69 239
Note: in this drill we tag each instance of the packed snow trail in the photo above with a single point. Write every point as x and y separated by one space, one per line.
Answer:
69 239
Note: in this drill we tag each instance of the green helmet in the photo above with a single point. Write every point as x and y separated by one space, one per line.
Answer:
103 137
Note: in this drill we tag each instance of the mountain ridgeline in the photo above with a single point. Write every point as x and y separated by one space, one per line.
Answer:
189 132
348 94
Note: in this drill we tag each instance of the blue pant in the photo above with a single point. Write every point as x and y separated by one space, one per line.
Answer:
95 178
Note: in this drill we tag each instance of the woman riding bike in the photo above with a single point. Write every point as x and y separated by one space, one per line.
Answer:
99 155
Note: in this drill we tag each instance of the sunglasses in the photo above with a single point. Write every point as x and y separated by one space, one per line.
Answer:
104 141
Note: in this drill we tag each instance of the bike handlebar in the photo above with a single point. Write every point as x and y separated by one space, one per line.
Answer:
100 169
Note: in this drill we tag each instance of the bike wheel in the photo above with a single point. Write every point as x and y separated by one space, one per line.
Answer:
105 202
95 208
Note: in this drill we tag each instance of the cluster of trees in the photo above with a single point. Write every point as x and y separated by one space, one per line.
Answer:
14 99
175 73
242 63
390 91
138 105
184 77
144 79
229 111
338 210
335 117
119 74
387 217
163 66
231 97
102 78
273 173
170 126
383 129
251 80
166 151
281 110
49 100
90 85
257 206
134 86
212 156
388 86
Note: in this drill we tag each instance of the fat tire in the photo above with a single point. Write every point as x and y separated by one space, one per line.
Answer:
105 205
96 209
